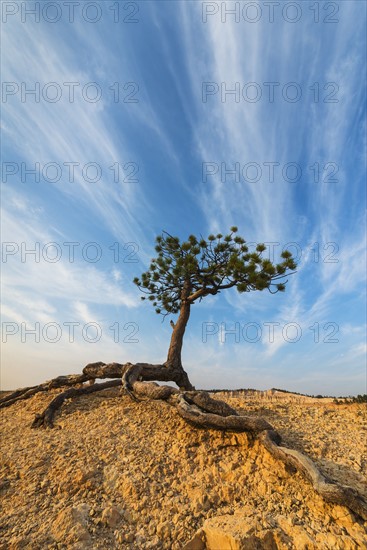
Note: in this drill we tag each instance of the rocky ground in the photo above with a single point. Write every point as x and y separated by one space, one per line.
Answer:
120 474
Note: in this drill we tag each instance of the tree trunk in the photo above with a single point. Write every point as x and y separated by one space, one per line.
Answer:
173 361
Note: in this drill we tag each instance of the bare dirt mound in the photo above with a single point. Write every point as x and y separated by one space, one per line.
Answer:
121 474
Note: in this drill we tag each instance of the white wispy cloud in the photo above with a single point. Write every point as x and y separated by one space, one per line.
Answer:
64 131
31 283
241 132
116 274
190 53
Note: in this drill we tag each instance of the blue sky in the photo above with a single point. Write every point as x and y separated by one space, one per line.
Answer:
132 130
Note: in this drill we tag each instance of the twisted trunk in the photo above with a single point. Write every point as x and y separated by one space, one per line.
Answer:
173 361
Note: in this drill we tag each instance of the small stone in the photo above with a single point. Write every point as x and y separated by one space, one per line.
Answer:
111 516
153 543
164 530
197 542
128 516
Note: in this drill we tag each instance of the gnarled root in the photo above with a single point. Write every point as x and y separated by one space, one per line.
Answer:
26 393
46 419
323 485
196 407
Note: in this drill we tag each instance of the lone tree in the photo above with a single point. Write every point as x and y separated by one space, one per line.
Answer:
180 275
185 272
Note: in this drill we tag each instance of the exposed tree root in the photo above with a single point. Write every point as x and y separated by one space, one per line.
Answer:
330 490
26 393
203 400
195 415
46 419
195 407
324 486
